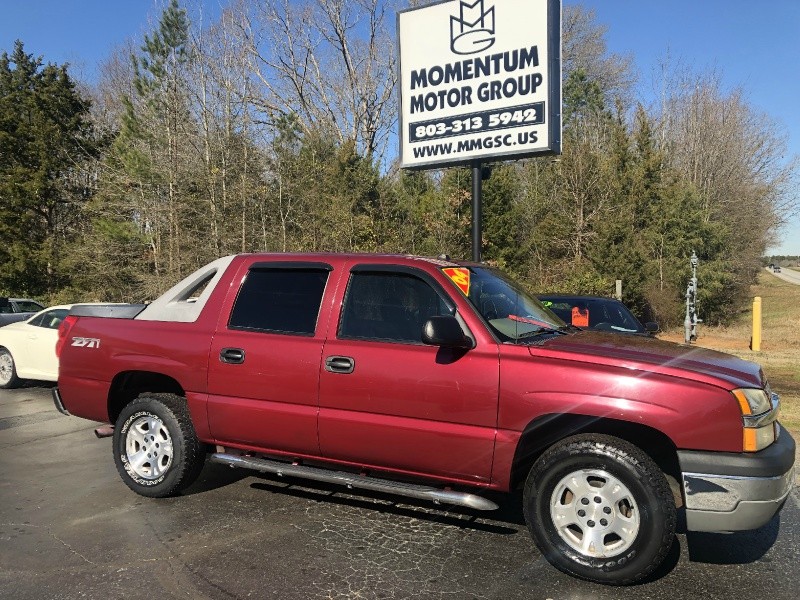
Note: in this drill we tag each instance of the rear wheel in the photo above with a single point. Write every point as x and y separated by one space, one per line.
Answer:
156 450
599 508
8 370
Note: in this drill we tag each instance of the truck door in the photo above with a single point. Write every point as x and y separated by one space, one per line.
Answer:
263 375
387 399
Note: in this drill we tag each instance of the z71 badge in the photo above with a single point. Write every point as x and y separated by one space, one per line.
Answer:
81 342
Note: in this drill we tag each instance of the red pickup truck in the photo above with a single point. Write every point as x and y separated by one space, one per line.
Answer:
433 379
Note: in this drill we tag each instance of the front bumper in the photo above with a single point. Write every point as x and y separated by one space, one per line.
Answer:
737 491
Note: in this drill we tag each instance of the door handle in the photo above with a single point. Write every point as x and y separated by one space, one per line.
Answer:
232 356
340 364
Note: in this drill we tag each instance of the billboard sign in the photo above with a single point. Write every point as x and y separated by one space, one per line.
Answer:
479 80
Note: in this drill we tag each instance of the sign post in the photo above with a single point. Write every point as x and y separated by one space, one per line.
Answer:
477 235
479 80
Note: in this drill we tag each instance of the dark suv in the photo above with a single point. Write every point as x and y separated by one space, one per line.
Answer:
593 312
17 309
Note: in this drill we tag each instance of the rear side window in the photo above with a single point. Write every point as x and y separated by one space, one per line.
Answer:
283 300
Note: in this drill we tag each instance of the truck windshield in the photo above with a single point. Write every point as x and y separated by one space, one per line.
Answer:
506 307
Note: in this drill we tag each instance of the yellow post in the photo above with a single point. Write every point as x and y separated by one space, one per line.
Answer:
755 345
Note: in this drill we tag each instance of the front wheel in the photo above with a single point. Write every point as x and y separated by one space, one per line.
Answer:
8 371
600 509
156 450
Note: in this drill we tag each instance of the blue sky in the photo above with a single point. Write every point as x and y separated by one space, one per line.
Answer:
752 46
755 46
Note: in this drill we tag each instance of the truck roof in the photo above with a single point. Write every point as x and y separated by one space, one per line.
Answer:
185 301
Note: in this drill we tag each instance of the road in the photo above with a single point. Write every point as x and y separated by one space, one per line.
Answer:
789 275
69 528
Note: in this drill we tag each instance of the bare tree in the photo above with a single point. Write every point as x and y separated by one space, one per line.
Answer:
584 48
332 62
733 154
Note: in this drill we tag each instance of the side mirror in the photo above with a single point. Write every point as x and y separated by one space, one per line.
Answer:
652 327
445 331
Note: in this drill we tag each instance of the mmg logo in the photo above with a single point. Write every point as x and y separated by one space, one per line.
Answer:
473 30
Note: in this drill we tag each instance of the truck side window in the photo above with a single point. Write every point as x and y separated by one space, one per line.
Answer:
389 307
280 300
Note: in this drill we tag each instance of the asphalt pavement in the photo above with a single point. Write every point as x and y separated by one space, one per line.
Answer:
69 528
787 274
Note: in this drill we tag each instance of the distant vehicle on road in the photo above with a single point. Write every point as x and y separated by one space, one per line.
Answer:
17 309
776 269
28 348
594 312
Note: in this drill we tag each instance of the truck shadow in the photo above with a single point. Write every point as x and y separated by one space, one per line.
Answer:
741 547
507 520
710 548
215 477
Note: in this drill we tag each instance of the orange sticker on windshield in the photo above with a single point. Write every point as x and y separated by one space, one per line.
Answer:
460 277
580 316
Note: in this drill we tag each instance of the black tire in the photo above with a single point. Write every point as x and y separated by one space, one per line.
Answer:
614 538
156 450
8 371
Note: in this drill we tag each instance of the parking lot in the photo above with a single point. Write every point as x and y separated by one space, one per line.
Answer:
69 528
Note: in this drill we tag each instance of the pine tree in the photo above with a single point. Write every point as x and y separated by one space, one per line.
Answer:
150 191
46 145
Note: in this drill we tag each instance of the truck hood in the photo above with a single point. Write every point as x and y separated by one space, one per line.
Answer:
650 354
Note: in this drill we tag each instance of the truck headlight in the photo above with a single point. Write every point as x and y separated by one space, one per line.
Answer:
752 401
759 414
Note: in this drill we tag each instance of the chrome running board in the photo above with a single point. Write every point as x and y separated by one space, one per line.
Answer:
349 480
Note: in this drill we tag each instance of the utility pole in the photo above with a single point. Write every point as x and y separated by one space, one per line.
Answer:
690 321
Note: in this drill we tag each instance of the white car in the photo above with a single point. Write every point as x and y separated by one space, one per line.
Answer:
28 348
